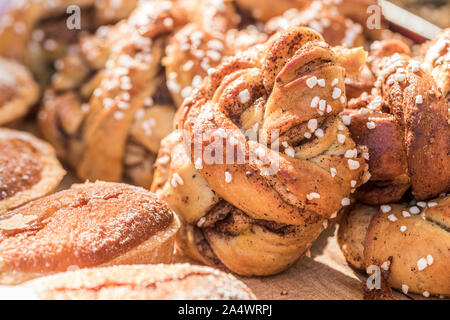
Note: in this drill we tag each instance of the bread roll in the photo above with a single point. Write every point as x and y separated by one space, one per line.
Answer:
413 241
260 217
89 225
137 282
28 169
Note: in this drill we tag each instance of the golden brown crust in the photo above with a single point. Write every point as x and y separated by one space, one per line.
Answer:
61 117
404 125
385 131
118 103
212 15
360 83
424 244
411 240
86 226
108 106
360 11
107 128
29 169
38 33
191 52
387 155
18 91
420 110
194 50
256 222
139 282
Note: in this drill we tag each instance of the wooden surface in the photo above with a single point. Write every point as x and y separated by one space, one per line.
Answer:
324 276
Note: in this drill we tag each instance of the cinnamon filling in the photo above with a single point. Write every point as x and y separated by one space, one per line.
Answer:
226 219
205 249
295 136
19 167
438 224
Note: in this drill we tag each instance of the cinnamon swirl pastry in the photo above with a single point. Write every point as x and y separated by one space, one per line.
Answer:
257 217
105 112
18 91
90 225
28 169
137 282
411 242
111 102
36 33
39 33
405 129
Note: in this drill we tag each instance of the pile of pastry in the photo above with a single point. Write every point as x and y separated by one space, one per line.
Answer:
231 132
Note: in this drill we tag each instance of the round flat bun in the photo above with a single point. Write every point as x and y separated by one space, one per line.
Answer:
144 282
28 169
89 225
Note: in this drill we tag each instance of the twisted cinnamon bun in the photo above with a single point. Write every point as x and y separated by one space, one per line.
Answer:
105 112
254 217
